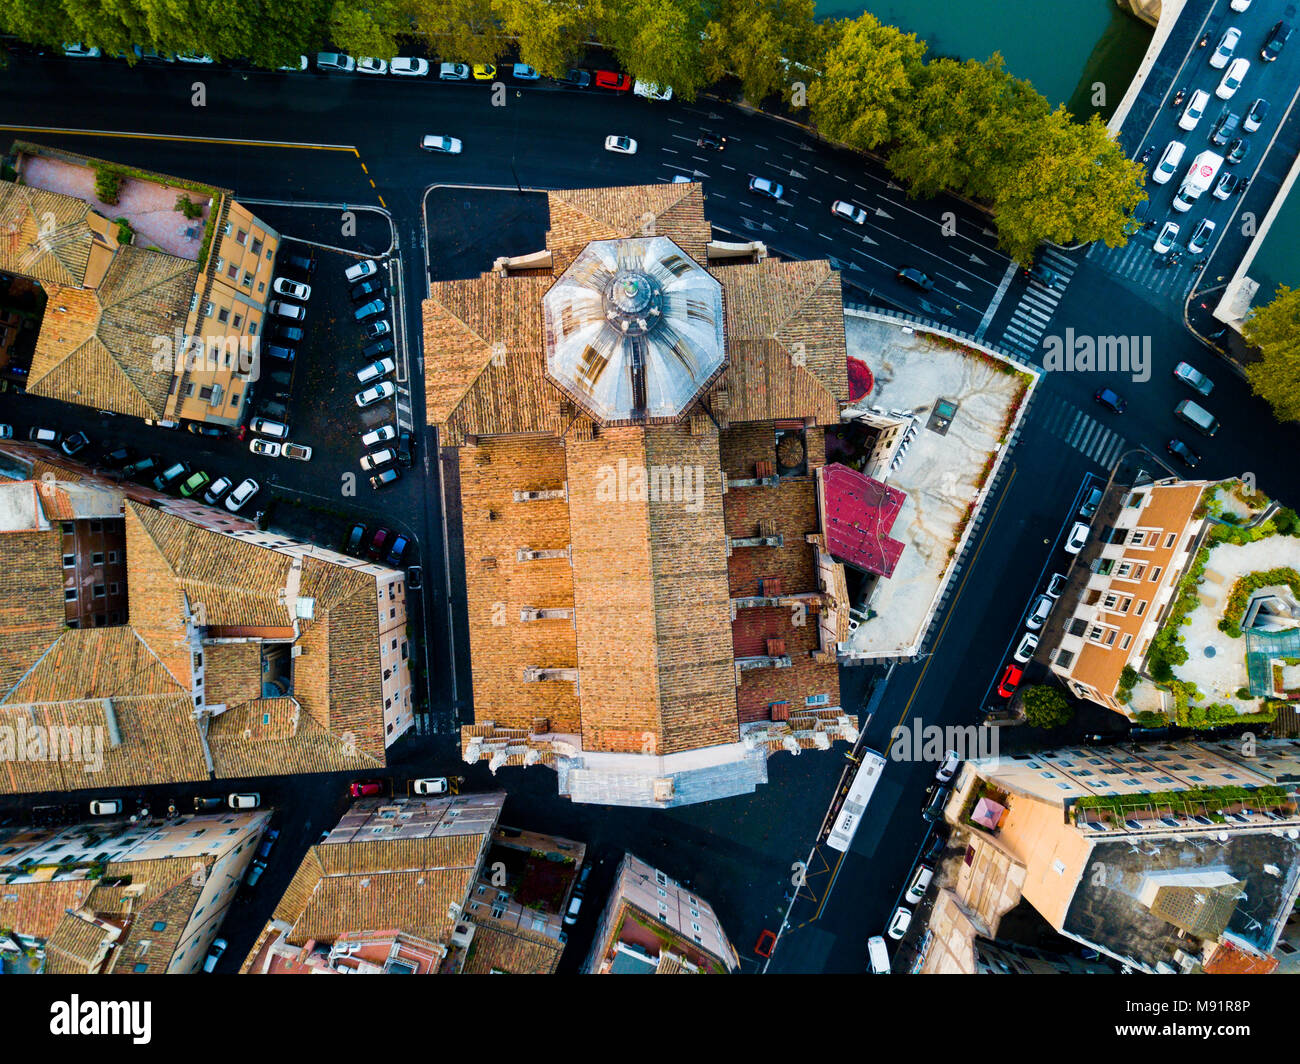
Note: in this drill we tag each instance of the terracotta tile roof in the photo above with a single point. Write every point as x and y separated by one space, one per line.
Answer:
37 908
32 612
31 247
1229 960
514 951
242 746
172 905
579 216
96 345
79 945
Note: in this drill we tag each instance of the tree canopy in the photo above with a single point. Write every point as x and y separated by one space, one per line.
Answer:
1045 707
1275 329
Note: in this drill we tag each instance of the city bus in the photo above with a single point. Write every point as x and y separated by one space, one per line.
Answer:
855 802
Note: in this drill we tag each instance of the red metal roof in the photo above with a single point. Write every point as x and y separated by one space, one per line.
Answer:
860 512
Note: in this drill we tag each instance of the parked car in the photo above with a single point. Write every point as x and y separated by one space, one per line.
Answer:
369 65
78 441
919 885
303 263
298 451
335 62
395 556
579 79
1091 503
453 71
846 210
284 354
1232 79
375 459
215 951
291 333
912 276
1111 400
195 484
1227 45
369 310
382 346
245 800
1256 115
194 428
1039 614
217 489
1181 451
39 435
376 392
292 311
80 51
763 186
483 71
375 328
1055 586
430 785
1011 677
408 67
648 90
899 922
143 465
382 480
364 291
355 538
1025 649
206 803
524 72
265 448
113 460
268 843
106 807
246 490
277 430
170 476
936 797
366 788
571 913
255 872
1077 538
378 435
361 270
1193 378
620 145
1273 43
438 142
405 448
608 79
1201 236
284 286
948 769
378 544
375 370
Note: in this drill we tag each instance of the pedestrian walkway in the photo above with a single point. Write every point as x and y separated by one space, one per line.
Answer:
405 420
1030 319
1081 431
1137 263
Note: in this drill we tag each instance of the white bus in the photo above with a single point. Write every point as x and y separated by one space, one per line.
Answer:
855 802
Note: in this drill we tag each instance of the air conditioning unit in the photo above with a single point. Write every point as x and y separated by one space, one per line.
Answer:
297 652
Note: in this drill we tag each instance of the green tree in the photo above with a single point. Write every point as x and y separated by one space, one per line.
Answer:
1072 184
370 30
550 35
658 41
964 127
1275 330
758 41
463 31
1046 707
865 83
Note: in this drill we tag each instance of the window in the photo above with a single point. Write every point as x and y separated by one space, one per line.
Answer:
188 390
1124 569
1142 607
97 526
161 925
69 560
1171 539
1155 574
237 321
112 588
70 594
817 700
247 281
205 393
1064 658
139 966
1125 642
223 315
232 271
1135 499
256 246
661 892
65 527
1137 573
242 236
112 557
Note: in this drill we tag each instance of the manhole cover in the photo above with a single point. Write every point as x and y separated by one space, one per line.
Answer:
1210 652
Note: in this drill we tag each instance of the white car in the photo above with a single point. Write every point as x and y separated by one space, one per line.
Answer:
434 142
843 209
1168 164
376 392
266 448
375 459
283 286
1227 45
1039 614
765 187
215 951
380 368
1165 241
1077 538
404 67
621 145
1194 110
244 801
194 57
1026 649
277 430
367 65
379 435
300 451
524 72
1239 5
292 311
900 922
453 71
236 499
919 885
1201 236
361 271
948 769
1232 79
106 807
335 61
650 91
431 785
216 489
78 51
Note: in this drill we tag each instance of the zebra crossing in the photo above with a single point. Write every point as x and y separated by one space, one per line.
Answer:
1030 319
1082 431
1136 263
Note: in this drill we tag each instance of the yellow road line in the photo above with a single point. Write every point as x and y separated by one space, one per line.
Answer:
123 135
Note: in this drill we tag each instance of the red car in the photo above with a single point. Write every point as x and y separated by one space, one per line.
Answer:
365 788
1010 681
378 545
607 79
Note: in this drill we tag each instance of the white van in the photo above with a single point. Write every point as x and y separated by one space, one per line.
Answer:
920 884
879 954
1198 417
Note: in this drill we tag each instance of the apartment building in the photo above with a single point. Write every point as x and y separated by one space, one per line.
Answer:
116 897
1143 539
1164 859
150 314
238 653
652 608
653 925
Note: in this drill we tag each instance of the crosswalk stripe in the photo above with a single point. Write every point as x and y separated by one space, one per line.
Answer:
1086 438
1027 311
1103 443
1035 300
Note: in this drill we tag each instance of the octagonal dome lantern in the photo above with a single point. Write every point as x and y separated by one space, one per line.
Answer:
634 330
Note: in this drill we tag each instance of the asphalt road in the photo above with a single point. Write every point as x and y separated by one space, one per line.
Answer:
738 852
